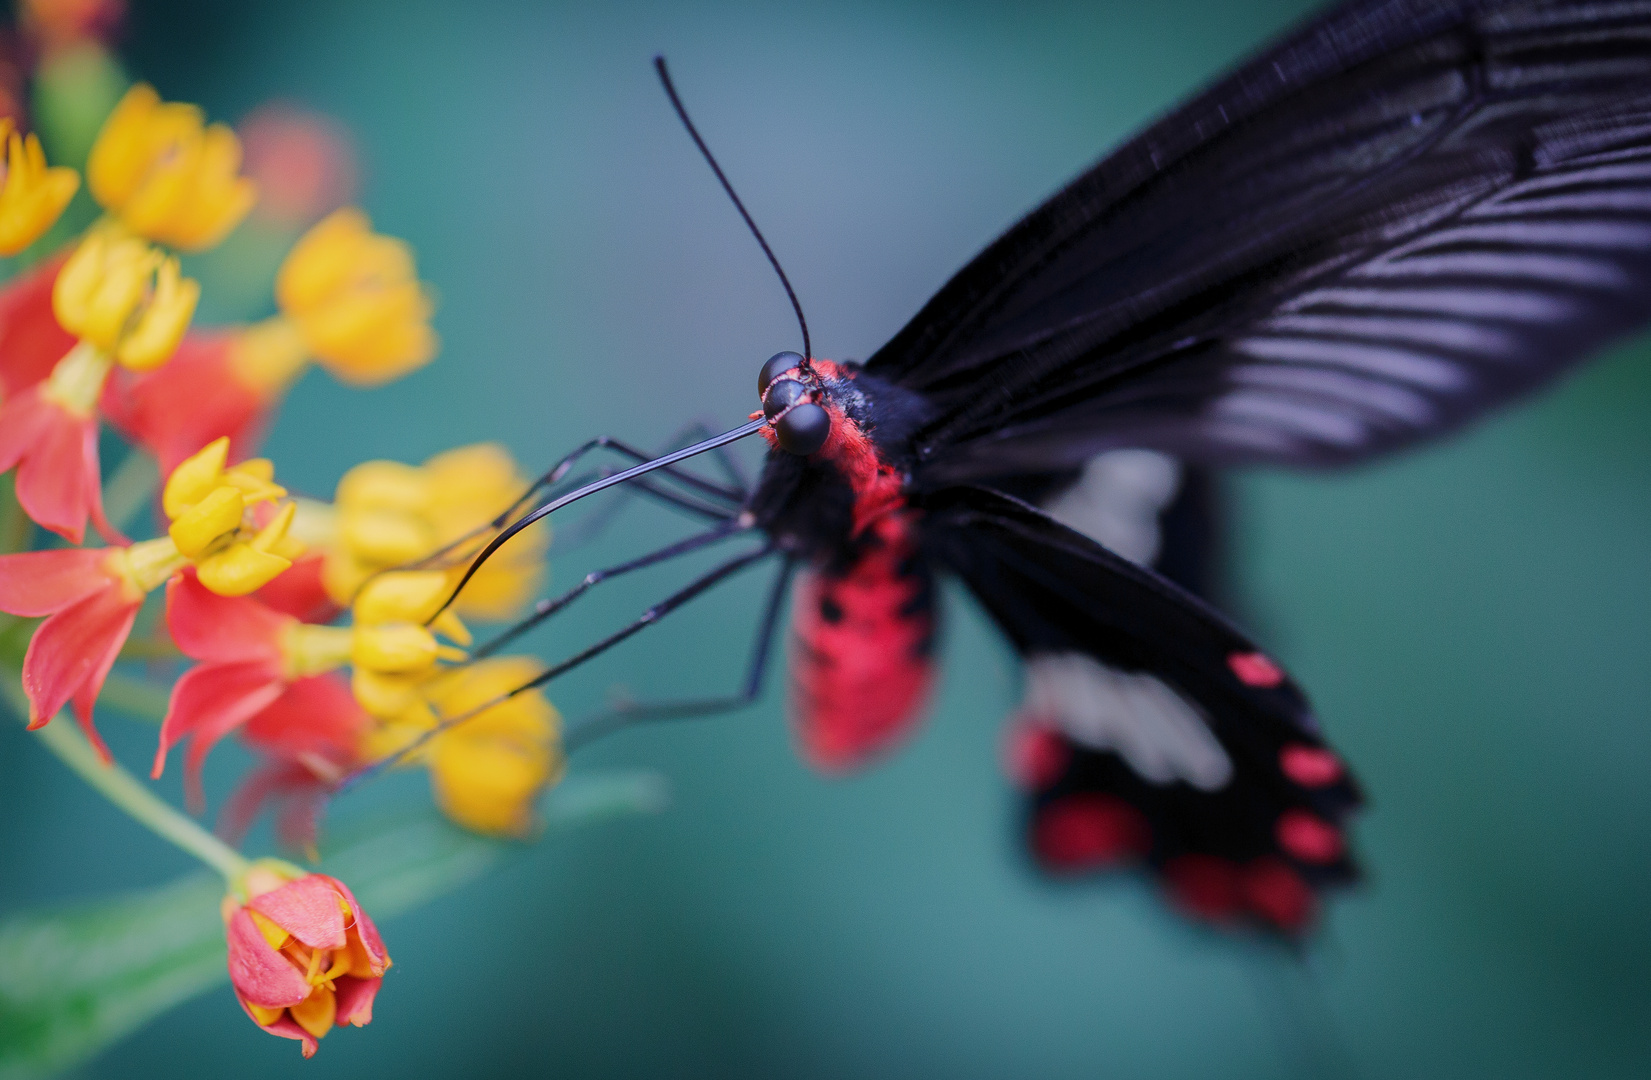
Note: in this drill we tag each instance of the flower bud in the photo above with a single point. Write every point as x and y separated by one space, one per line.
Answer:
303 956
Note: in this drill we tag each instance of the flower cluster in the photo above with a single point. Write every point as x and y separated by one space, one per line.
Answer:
324 635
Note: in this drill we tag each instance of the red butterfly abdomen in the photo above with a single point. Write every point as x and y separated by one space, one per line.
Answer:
860 656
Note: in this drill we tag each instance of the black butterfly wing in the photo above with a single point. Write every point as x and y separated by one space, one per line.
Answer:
1406 212
1151 729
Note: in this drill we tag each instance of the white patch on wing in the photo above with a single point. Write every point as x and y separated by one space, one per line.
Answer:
1385 361
1336 428
1162 735
1117 500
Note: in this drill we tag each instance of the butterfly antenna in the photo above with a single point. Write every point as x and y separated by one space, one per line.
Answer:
693 133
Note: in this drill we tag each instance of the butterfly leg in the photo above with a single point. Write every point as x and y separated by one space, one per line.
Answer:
550 605
646 619
622 716
728 499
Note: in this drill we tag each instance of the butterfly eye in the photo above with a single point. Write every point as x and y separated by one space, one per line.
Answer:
777 365
781 396
804 429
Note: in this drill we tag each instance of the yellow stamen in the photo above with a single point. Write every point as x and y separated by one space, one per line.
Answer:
316 1013
32 196
264 1016
356 300
194 477
153 336
340 966
208 521
410 596
397 648
240 569
273 932
168 175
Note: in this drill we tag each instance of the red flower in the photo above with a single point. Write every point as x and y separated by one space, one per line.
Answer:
299 591
54 449
252 670
90 601
31 341
238 640
188 402
303 957
310 736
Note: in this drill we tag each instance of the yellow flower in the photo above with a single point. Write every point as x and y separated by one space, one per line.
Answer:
394 653
387 514
487 773
125 297
216 522
168 175
32 196
357 301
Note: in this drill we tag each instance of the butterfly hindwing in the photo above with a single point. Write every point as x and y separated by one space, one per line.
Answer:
1386 223
1150 730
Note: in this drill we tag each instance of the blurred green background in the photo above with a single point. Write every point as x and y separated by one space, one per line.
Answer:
1473 620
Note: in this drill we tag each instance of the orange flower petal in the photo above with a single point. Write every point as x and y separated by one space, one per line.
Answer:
363 933
307 909
31 340
57 465
71 652
221 629
36 583
317 720
208 702
194 398
355 999
299 591
294 788
261 975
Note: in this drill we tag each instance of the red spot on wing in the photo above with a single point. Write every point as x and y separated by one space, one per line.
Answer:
1277 893
1309 766
1308 837
1087 831
1205 886
1255 669
1034 755
860 669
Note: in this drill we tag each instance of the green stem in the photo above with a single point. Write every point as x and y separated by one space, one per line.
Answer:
140 698
127 792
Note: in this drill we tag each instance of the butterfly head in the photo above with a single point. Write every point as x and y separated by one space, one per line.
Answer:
791 391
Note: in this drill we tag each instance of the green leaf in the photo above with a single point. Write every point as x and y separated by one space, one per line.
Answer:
75 980
71 982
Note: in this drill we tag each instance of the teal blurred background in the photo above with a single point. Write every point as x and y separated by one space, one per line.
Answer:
1473 620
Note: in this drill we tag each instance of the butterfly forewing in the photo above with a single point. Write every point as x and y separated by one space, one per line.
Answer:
1399 216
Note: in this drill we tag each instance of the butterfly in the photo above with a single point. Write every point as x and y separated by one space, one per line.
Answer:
1399 216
